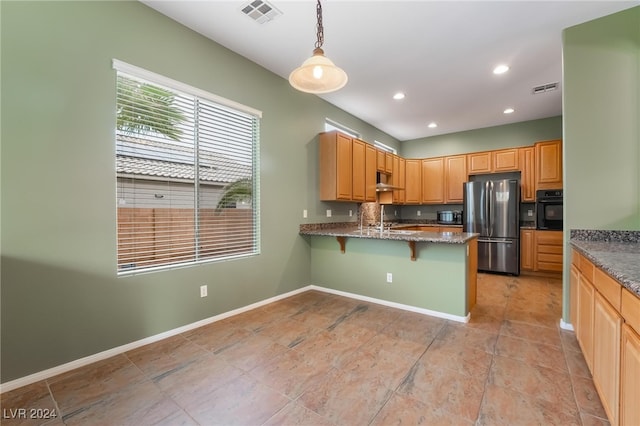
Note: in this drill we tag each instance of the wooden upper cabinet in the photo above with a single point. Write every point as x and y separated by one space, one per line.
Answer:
380 160
528 173
549 164
505 160
455 175
433 180
358 170
336 166
413 181
479 162
388 162
370 173
398 178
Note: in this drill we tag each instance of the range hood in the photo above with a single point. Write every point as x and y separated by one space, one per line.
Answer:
383 187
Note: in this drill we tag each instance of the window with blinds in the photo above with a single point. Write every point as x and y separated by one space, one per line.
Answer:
186 174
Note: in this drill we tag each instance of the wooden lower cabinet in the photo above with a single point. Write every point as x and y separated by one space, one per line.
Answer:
574 279
630 377
541 251
527 249
607 327
450 229
607 324
584 331
548 256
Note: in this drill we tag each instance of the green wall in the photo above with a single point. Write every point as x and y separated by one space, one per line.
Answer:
436 280
601 127
525 133
61 299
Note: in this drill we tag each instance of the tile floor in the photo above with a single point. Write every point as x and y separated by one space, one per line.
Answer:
321 359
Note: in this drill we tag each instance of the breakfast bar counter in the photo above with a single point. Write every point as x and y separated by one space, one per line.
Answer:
430 272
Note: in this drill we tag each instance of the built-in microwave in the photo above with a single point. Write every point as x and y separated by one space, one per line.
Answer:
549 209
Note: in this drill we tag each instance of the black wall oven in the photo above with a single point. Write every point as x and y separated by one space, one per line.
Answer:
549 209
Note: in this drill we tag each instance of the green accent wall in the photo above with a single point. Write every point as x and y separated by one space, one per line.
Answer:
60 298
524 133
601 110
436 280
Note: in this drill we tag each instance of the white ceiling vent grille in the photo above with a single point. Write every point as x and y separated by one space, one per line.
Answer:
260 11
544 88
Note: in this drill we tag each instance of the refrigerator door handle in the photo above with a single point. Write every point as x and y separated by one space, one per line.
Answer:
492 199
494 241
487 209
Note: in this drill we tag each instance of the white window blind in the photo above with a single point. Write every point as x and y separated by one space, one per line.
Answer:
186 172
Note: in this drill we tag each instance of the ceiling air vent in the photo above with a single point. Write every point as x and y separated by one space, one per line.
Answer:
260 11
544 88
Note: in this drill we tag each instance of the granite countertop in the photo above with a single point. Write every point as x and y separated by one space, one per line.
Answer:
615 252
395 233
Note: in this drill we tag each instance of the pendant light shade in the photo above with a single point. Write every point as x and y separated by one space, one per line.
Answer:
318 74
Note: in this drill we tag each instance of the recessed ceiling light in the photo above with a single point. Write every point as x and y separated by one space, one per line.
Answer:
508 110
500 69
398 96
433 125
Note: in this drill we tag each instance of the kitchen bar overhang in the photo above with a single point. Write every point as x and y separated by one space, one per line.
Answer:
437 275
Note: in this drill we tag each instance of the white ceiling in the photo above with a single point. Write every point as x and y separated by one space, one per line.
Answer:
440 53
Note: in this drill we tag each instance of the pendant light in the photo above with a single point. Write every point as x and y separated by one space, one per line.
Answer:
318 74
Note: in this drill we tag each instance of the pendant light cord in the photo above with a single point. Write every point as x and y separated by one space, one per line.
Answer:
320 30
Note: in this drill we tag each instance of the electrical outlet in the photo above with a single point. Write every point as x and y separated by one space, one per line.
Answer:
328 213
350 213
389 277
419 213
203 291
529 212
304 213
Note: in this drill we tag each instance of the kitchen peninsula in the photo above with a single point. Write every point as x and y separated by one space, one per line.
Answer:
430 272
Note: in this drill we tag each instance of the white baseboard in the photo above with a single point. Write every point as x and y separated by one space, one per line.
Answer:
393 304
45 374
565 325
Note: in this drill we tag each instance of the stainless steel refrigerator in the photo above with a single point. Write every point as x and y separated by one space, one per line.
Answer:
492 209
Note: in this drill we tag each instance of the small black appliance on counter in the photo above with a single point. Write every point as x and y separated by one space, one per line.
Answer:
449 217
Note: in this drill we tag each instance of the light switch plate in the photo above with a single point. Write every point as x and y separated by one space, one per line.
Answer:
328 213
